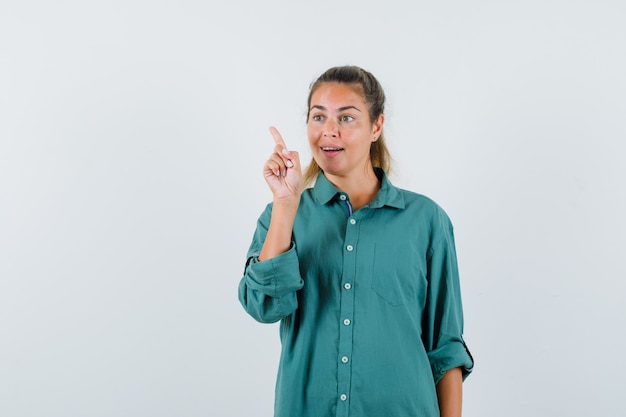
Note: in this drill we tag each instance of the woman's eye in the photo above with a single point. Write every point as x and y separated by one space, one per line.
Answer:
316 118
346 118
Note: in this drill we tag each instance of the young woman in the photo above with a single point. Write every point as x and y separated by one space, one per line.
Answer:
362 275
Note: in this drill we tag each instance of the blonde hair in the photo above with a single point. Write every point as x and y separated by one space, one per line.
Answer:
373 95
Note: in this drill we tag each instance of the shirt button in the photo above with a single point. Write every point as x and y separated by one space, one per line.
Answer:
343 397
344 359
342 197
352 221
347 285
347 322
350 248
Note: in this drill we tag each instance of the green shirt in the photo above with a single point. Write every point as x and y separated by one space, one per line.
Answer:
369 304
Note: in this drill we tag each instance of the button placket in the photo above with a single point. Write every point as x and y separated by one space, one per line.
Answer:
344 375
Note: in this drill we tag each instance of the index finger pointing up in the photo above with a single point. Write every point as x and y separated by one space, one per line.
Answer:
277 137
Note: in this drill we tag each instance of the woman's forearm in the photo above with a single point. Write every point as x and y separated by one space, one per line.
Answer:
278 239
450 393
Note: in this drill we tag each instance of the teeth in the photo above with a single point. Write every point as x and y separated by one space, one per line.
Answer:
325 148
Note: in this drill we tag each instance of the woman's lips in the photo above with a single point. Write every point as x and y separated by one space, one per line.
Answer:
330 150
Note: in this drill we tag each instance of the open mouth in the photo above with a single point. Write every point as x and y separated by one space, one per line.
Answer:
329 149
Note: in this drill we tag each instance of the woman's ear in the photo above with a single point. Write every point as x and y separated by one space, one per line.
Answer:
377 127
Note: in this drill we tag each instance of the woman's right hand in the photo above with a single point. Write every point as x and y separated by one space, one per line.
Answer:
282 171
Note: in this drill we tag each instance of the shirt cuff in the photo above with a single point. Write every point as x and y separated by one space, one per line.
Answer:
453 354
276 276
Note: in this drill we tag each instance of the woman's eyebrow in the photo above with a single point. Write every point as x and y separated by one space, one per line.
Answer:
344 108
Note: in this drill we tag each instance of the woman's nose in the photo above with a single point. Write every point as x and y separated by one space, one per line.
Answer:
330 129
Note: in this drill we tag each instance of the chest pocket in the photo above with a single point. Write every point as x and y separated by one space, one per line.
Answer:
397 274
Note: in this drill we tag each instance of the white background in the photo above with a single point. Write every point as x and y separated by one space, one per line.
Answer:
132 138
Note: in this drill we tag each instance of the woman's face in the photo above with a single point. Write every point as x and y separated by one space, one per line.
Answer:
340 130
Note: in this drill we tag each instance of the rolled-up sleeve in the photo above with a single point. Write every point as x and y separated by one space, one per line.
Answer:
453 354
267 290
443 318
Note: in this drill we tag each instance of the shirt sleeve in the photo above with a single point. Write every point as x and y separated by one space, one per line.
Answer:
267 290
443 318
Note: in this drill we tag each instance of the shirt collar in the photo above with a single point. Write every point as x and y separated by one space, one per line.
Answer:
388 195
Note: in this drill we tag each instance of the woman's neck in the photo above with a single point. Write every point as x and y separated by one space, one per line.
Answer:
361 190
